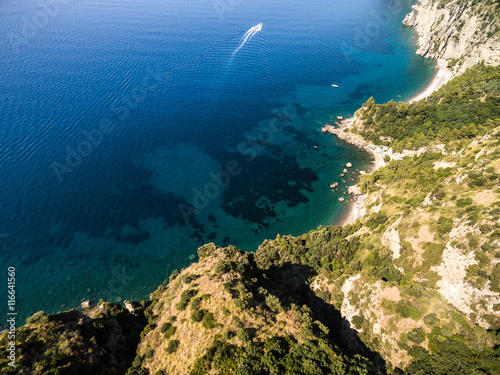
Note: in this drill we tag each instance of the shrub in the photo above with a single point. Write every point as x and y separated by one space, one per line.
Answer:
245 301
169 332
273 303
357 321
376 219
38 317
222 267
186 297
209 321
198 315
416 335
147 329
444 225
243 335
188 278
406 310
196 303
207 250
495 278
172 347
431 319
164 328
464 202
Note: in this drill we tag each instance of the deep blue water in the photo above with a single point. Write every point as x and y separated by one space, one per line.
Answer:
129 135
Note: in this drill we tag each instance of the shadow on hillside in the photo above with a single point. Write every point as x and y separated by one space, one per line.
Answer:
288 282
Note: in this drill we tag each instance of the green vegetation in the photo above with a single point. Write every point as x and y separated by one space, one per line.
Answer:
279 355
102 339
172 347
186 297
466 107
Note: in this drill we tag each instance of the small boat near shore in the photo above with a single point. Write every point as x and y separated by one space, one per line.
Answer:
335 85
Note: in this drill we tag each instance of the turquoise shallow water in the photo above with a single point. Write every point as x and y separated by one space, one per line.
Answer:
132 133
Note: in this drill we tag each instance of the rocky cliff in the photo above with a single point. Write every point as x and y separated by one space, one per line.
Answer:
462 32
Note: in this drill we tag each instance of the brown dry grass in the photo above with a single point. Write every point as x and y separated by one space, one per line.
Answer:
485 198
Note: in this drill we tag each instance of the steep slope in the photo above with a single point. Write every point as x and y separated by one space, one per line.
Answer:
225 315
461 32
96 340
425 288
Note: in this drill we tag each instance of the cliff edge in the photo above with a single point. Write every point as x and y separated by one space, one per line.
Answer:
461 32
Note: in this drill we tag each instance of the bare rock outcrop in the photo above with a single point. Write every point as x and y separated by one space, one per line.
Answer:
460 32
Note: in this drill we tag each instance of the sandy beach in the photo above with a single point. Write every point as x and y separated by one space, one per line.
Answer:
355 211
442 76
357 208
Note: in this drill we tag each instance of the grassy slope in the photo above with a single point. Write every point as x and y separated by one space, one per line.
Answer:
226 315
98 340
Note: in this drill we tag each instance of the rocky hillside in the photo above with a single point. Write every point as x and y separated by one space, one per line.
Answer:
100 339
227 315
461 32
433 210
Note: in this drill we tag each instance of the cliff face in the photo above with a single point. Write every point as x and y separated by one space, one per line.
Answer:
464 33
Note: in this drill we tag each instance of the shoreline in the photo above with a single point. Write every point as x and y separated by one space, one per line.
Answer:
357 209
442 76
357 206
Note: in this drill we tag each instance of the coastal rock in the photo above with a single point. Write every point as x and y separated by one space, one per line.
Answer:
342 175
348 165
341 199
345 171
85 304
191 257
129 307
457 32
334 185
354 190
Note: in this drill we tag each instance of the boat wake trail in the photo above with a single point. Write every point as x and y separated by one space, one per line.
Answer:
248 35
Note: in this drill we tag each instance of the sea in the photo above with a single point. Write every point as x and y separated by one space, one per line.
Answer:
133 132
